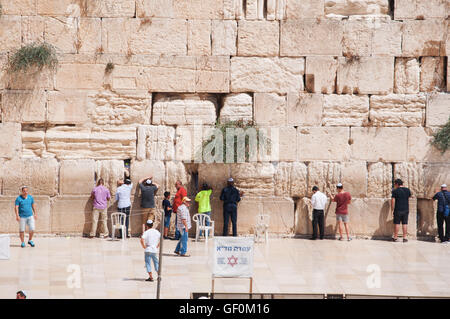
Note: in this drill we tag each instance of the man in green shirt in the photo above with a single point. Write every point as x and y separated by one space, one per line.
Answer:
203 200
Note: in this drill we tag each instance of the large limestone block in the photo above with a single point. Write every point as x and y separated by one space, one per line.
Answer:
420 148
67 107
379 180
354 178
345 110
19 7
24 106
9 223
116 35
357 39
32 79
298 37
89 35
154 8
435 175
258 38
237 106
212 74
77 177
149 168
156 142
412 175
426 218
267 75
176 170
301 9
304 109
416 9
223 37
59 8
270 109
323 143
325 176
186 109
71 214
423 37
349 7
126 78
33 143
33 29
10 33
372 217
397 110
40 175
321 74
377 144
387 37
110 8
215 175
120 108
284 147
175 78
11 140
303 217
109 143
407 74
365 75
438 109
80 76
290 179
111 171
62 33
432 74
254 178
180 9
190 143
199 37
234 10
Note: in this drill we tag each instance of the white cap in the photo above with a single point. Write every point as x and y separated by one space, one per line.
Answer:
148 181
444 186
231 179
339 185
149 221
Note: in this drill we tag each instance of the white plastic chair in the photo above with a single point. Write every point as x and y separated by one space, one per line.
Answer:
262 227
200 220
118 222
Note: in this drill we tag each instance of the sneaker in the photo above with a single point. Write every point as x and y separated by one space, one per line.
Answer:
405 240
341 238
349 239
22 245
395 239
149 279
31 243
177 252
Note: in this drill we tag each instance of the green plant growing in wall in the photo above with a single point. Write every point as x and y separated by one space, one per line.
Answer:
109 67
37 55
441 139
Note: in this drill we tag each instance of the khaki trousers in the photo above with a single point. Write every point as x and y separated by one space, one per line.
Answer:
153 214
103 225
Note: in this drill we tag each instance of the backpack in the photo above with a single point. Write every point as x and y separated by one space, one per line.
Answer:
446 208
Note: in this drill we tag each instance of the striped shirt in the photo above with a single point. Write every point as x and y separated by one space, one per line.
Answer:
183 213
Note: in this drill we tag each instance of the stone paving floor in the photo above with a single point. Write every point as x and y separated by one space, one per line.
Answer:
115 269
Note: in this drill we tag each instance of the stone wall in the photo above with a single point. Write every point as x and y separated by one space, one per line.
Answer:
353 89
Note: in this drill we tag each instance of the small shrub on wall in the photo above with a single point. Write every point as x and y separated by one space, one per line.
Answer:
441 139
38 55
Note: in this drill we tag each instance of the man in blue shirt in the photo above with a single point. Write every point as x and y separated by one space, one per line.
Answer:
24 209
443 198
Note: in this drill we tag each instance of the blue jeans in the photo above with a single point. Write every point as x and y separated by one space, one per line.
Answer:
230 212
167 221
177 232
148 258
207 223
182 244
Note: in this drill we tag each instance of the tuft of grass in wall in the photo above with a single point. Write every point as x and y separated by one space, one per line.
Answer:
441 139
1 10
37 55
109 67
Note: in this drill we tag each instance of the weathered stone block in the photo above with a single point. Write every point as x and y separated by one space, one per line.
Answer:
111 171
300 9
71 214
321 74
178 77
58 7
387 37
406 78
420 148
323 143
24 106
10 33
356 75
254 178
212 74
9 223
379 180
412 175
290 179
156 143
354 178
11 140
357 39
423 37
269 75
325 176
110 8
432 74
349 7
426 218
32 79
434 176
67 107
414 9
223 37
199 37
438 109
40 175
32 29
372 217
19 7
376 144
189 143
297 37
237 106
149 168
197 9
215 175
80 76
76 177
89 35
62 33
304 109
397 110
258 38
176 170
33 143
345 110
287 144
270 109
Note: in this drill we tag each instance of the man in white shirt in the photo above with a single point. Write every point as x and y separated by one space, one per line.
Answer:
318 201
150 242
123 195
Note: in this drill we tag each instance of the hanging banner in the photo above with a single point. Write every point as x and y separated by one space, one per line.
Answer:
233 257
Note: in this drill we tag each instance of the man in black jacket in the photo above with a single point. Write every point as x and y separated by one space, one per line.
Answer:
443 198
230 197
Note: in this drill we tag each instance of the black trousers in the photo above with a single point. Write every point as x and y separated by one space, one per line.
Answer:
318 218
126 211
227 213
441 219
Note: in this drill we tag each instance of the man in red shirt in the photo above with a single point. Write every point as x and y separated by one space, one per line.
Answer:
177 201
342 200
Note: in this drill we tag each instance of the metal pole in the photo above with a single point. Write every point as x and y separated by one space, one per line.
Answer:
158 287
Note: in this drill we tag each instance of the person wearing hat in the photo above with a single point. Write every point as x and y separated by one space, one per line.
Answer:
318 202
123 196
25 211
148 191
400 207
21 294
203 198
183 226
150 242
442 214
230 197
342 199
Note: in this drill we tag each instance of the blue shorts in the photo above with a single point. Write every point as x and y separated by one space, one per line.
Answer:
167 221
